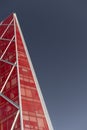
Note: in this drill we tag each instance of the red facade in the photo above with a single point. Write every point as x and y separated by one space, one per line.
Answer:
21 103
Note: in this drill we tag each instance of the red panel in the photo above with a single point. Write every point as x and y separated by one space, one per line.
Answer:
3 45
10 54
9 33
2 29
11 88
8 19
4 72
7 114
4 24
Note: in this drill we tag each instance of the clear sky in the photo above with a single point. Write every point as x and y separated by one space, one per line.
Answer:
55 32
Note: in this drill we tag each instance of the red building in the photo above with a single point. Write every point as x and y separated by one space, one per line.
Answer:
22 105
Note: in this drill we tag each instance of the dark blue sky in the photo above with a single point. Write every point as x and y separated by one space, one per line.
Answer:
55 32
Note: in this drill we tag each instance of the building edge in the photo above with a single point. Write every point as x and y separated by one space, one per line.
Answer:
18 77
35 78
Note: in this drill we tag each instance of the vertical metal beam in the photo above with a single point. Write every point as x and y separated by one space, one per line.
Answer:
18 76
36 81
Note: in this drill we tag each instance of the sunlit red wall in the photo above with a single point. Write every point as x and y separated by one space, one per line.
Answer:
33 115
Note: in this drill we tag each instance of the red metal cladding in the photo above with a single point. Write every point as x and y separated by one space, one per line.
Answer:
20 102
2 28
10 54
33 115
8 19
4 72
7 114
3 45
